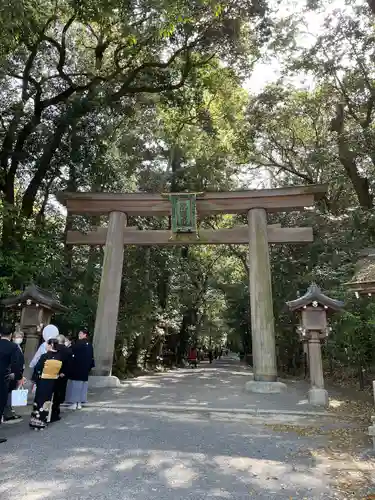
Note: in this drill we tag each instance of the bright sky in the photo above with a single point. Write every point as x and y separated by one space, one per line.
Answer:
268 71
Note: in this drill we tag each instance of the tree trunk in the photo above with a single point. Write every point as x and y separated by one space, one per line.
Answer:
68 249
43 165
348 160
189 319
7 184
40 217
183 338
132 361
360 184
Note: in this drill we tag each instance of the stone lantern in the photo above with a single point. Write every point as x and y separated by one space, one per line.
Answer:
313 308
36 307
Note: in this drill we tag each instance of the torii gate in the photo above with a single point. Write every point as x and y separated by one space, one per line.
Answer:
255 203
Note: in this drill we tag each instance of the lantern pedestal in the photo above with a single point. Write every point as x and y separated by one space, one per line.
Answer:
31 346
317 395
265 387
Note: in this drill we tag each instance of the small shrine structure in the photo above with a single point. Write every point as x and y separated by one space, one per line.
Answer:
313 308
363 281
36 307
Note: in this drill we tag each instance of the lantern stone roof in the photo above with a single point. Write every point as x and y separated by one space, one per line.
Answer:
35 294
363 281
314 296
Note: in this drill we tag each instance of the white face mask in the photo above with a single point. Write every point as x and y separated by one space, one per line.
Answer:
67 343
18 341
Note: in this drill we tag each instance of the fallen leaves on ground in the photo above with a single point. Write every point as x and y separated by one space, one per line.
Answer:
353 410
350 439
351 475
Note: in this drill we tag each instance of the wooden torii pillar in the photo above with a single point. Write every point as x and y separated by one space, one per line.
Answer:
254 203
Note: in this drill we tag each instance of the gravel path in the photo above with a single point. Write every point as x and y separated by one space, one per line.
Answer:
220 385
113 453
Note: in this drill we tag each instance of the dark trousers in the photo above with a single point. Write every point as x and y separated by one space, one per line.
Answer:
8 410
58 397
4 390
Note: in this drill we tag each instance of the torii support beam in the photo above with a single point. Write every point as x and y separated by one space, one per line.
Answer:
234 236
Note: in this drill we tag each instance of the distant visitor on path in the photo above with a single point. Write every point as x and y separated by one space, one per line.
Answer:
46 373
192 356
81 364
210 355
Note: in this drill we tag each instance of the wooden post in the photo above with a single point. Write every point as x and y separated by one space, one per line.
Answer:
262 320
317 394
315 358
109 295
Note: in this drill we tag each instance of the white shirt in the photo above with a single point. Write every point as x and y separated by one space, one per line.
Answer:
42 350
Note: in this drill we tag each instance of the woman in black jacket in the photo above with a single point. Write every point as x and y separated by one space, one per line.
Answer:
65 352
46 373
81 363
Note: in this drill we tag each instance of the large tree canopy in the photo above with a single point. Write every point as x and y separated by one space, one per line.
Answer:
73 60
153 96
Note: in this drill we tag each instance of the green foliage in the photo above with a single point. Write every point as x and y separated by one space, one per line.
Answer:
109 96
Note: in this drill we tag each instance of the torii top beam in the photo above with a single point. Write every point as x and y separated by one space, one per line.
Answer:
283 199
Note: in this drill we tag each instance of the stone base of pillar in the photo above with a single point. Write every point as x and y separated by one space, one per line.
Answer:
318 397
265 387
100 381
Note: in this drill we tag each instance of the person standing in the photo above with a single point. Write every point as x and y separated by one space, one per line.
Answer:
9 357
81 363
46 373
210 355
17 369
49 332
63 348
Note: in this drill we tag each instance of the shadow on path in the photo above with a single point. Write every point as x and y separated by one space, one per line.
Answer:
101 454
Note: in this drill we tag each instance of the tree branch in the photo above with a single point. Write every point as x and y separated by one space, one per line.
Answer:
43 164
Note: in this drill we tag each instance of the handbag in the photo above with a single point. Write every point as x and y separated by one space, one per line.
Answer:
19 397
